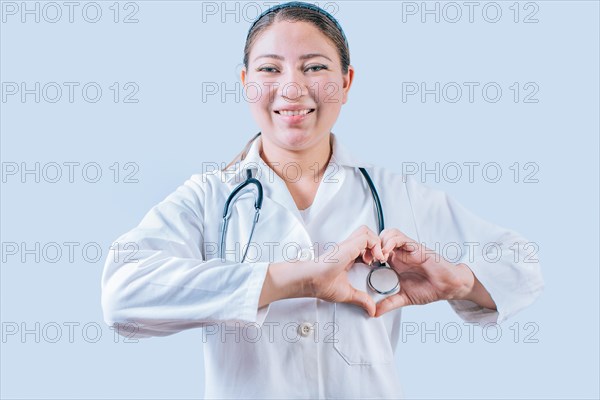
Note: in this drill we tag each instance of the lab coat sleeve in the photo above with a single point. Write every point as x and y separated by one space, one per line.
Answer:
502 260
157 282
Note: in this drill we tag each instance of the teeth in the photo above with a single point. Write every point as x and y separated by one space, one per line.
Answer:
292 113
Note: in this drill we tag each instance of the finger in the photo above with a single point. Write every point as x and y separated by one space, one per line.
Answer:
363 300
386 234
367 257
374 246
391 303
395 241
400 242
414 253
364 257
364 239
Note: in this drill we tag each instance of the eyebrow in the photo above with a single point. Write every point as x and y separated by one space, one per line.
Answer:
302 57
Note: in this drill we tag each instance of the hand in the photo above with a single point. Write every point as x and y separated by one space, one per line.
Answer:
425 276
330 274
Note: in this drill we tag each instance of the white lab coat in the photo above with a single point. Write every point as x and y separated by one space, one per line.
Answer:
179 281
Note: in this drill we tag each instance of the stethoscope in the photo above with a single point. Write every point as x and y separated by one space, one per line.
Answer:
381 279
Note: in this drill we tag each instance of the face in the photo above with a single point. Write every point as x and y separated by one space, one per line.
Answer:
295 85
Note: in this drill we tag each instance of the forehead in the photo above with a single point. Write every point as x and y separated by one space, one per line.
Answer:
293 37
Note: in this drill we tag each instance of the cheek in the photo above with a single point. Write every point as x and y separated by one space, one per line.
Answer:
328 93
256 95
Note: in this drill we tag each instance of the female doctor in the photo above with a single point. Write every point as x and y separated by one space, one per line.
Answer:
285 305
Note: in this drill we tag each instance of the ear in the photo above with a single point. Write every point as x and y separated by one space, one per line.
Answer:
347 82
243 76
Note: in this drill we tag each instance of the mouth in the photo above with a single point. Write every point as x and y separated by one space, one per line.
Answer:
293 113
294 117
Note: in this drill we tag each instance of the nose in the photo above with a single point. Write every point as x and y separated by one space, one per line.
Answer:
293 85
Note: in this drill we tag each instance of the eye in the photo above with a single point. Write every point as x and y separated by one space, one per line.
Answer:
316 68
267 69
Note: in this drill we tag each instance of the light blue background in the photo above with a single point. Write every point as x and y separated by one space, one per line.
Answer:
171 132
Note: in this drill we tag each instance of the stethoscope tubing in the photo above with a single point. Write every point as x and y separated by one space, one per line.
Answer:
258 205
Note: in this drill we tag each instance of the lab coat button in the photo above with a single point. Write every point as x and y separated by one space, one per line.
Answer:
305 328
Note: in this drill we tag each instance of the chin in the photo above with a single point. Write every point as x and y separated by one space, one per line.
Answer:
294 138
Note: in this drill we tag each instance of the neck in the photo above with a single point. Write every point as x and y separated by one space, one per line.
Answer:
295 166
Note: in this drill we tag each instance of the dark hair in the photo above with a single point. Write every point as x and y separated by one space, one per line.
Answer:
296 12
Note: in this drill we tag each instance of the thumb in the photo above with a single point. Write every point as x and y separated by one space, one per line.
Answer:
392 302
363 300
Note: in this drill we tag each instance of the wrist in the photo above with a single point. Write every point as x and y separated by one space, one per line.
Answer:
475 291
307 281
465 282
285 280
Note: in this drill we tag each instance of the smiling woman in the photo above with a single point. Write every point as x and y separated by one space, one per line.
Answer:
190 273
299 58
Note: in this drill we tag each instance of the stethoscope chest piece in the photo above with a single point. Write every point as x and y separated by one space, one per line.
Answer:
383 280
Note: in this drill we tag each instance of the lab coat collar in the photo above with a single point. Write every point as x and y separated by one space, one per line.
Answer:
340 156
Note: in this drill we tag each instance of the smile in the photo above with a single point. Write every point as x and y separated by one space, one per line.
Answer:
290 113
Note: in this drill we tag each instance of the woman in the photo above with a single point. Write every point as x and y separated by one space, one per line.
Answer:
289 314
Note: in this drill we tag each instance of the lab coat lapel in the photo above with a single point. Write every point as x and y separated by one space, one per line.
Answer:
277 235
338 171
275 188
330 185
277 191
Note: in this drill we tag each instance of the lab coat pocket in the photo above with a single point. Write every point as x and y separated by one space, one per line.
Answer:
358 338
